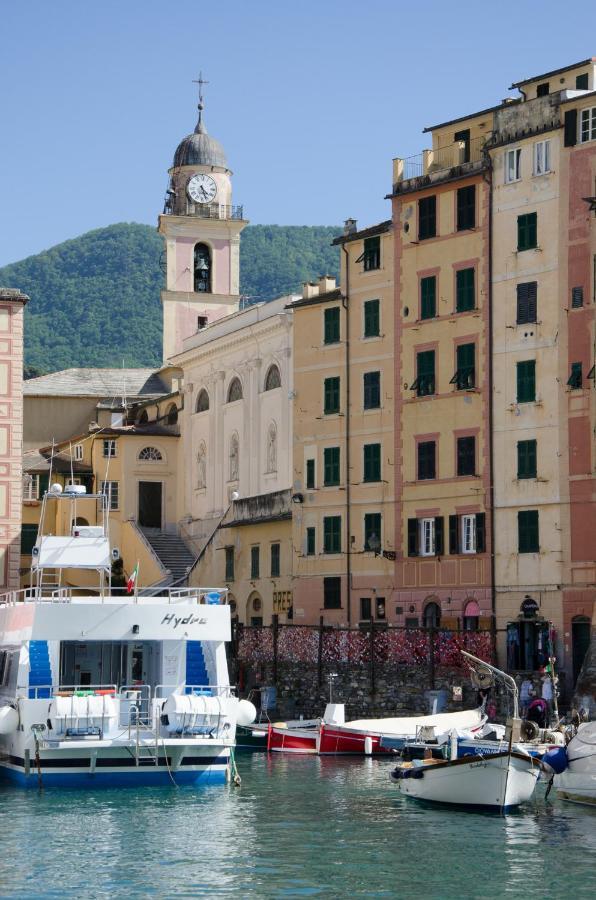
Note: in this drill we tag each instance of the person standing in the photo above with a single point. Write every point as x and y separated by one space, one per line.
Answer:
526 693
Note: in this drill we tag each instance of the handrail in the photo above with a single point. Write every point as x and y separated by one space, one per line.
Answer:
202 596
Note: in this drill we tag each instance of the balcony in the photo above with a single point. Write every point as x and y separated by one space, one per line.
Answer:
203 210
439 164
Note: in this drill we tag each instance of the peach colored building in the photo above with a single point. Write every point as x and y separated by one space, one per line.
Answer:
12 305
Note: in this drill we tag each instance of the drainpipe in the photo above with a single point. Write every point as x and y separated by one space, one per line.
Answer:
493 588
345 303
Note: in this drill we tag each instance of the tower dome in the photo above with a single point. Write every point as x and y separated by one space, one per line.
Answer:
199 148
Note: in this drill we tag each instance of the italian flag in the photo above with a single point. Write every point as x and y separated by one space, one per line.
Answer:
132 579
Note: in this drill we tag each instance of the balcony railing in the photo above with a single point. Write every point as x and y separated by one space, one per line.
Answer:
438 160
205 210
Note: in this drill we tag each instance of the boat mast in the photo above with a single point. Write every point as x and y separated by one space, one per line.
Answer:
509 681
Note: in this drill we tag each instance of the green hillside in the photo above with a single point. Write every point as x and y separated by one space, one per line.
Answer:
95 299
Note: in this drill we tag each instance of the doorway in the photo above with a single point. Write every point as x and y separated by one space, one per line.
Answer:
150 494
580 642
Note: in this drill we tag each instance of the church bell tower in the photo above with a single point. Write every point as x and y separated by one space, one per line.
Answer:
201 228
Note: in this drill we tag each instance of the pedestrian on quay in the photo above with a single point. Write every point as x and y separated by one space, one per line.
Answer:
526 694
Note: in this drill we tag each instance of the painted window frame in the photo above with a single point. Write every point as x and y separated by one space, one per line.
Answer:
112 491
109 450
513 165
541 154
587 125
468 533
427 542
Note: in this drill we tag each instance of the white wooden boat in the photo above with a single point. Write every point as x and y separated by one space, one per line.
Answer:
577 783
499 781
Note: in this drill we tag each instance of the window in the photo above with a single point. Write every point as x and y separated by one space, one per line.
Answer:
587 130
255 561
465 295
577 297
467 533
527 531
463 137
466 455
331 466
380 610
109 449
150 454
581 82
465 374
466 207
311 544
172 414
111 490
275 560
526 381
426 460
428 297
202 322
229 563
575 379
28 538
372 324
30 487
365 609
372 390
427 218
332 534
331 396
372 462
202 401
372 532
512 165
425 373
272 379
78 452
427 537
527 229
543 89
526 459
310 475
143 418
331 320
527 302
202 269
541 157
235 390
332 592
372 253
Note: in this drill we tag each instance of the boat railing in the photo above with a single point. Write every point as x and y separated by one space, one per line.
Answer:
45 691
162 691
202 596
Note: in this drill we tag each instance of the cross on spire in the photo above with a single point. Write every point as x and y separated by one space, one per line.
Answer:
200 81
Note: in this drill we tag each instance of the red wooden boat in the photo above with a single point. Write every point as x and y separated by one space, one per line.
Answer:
292 740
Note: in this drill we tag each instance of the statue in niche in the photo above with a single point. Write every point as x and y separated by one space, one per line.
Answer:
272 448
202 468
234 461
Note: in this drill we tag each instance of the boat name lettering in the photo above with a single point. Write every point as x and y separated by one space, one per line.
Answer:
171 619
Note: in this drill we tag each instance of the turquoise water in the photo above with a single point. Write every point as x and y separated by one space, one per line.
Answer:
297 827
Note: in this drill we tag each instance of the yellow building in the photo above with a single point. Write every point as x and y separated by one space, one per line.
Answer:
343 500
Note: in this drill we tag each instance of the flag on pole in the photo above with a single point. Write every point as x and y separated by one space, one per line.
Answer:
132 579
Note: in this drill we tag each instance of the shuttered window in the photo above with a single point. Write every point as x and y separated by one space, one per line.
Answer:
465 294
332 325
527 302
428 297
372 390
527 531
462 533
331 466
229 551
466 207
526 381
424 383
570 129
275 560
372 531
575 379
526 459
331 396
465 373
28 538
527 231
372 462
426 460
311 541
427 218
466 455
332 534
587 130
310 474
577 297
255 561
372 323
372 253
332 592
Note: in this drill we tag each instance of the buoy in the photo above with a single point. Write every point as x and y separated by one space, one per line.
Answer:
9 720
368 745
247 713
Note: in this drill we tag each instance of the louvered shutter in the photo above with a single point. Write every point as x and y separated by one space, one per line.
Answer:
439 536
412 537
480 533
454 534
571 128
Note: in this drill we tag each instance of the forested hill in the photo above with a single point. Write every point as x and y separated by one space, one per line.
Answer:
95 299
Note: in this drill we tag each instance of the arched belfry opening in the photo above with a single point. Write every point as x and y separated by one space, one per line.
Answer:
202 269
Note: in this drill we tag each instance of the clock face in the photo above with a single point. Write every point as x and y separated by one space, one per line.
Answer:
202 189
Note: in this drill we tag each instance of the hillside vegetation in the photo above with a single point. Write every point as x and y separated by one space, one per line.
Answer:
95 299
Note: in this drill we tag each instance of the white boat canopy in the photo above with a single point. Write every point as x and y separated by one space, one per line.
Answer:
72 552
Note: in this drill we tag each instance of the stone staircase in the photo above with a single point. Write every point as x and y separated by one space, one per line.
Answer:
171 551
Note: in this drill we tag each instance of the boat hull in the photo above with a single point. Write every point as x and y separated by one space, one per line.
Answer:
577 784
498 782
293 740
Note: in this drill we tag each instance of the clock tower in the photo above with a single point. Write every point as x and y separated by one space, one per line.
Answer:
201 229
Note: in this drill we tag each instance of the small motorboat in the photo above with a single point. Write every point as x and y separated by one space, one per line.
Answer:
575 780
303 736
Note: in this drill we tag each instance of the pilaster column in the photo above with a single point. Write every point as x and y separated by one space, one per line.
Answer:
284 456
252 428
219 450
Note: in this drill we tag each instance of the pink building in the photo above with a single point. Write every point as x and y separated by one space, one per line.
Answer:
12 306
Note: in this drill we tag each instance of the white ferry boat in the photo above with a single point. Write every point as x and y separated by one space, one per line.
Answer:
101 688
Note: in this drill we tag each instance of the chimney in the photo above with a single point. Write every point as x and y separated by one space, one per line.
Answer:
326 283
350 226
309 289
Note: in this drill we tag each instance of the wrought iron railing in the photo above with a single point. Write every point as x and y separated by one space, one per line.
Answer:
439 159
206 210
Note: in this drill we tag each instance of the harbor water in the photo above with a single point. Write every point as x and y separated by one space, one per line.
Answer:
296 827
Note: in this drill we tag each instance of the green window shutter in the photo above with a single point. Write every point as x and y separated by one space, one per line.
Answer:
581 82
275 560
311 548
439 536
372 324
44 483
526 459
466 207
229 564
480 533
575 379
332 592
372 390
427 218
527 530
310 475
527 231
28 538
413 535
428 297
425 373
332 325
454 534
331 466
372 462
571 128
465 375
372 530
465 296
331 396
332 534
526 381
254 562
426 460
527 302
466 455
372 253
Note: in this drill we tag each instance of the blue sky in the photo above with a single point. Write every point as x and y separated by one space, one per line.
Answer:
311 100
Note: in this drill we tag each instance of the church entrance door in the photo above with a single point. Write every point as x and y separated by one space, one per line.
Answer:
150 504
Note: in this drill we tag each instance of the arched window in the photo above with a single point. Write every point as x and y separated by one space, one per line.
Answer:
234 457
150 454
202 401
471 616
143 418
202 467
172 414
432 615
202 280
235 390
273 378
272 448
